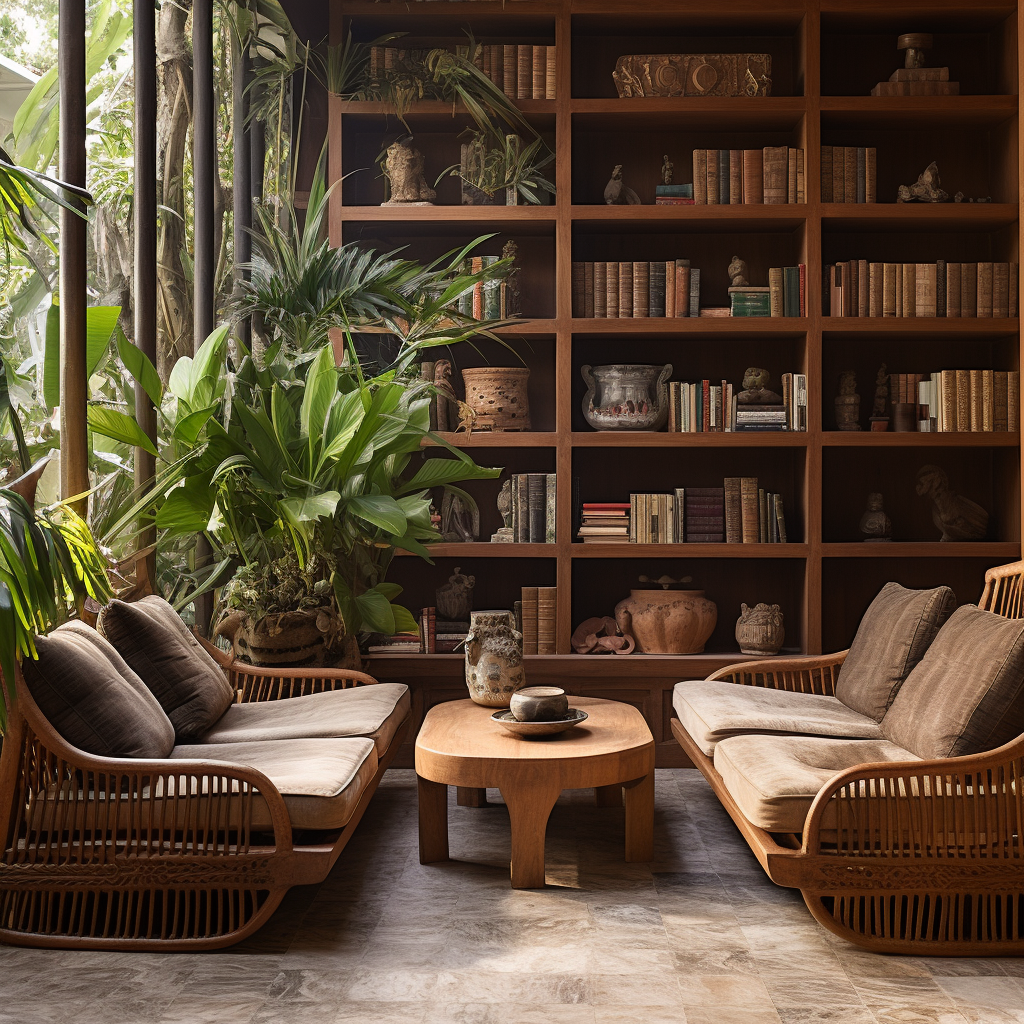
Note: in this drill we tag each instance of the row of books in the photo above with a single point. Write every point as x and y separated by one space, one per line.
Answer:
785 295
773 175
521 71
536 617
862 288
848 174
740 512
433 637
706 407
533 508
635 289
969 401
492 299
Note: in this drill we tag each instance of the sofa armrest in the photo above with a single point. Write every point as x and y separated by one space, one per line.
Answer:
947 808
800 675
260 683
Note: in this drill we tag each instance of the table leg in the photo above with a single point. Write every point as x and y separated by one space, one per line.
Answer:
529 808
640 818
433 801
468 796
608 796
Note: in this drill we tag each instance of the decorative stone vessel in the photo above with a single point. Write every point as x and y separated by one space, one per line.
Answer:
626 396
539 704
667 621
498 396
759 630
494 658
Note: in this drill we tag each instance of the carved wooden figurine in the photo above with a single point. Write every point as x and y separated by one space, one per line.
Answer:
404 170
879 418
504 533
848 402
957 517
667 168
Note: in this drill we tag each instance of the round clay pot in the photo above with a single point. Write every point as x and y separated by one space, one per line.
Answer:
494 658
499 397
539 704
667 621
313 639
759 630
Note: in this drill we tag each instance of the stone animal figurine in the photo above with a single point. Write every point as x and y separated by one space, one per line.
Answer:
957 517
504 532
755 388
925 189
667 169
738 273
875 524
454 599
460 518
617 192
404 169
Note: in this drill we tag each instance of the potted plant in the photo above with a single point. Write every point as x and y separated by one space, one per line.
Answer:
496 170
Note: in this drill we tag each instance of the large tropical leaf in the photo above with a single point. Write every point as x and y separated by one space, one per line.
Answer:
380 510
437 472
119 427
100 323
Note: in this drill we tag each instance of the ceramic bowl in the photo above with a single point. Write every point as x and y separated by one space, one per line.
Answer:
539 704
504 718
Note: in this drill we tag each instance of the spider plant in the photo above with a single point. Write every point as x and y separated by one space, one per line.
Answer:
495 163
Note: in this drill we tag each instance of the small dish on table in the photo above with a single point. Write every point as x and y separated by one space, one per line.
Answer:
507 720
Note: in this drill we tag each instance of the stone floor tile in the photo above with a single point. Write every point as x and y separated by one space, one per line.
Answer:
717 990
985 993
508 989
653 988
640 1015
804 989
731 1015
491 1013
839 1013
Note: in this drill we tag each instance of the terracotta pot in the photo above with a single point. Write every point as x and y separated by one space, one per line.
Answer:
314 639
494 658
499 397
667 621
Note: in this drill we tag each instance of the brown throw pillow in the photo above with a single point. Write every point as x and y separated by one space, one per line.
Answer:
190 686
893 636
967 695
93 699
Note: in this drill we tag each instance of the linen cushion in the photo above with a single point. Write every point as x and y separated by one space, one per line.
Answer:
967 694
321 780
190 686
375 712
891 639
712 709
774 779
93 699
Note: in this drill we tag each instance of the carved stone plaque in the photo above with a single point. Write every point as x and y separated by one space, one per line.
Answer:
694 74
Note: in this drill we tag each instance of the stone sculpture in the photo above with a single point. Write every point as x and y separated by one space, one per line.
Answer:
760 630
504 533
460 518
847 402
755 388
957 517
667 167
454 599
404 170
875 524
617 192
738 273
925 189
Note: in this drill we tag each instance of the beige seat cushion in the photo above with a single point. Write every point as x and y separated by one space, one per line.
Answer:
891 639
774 779
321 780
375 712
714 709
967 694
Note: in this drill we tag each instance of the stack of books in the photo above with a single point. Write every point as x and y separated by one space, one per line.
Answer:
538 612
704 406
848 174
774 174
635 289
862 288
521 71
605 523
968 401
787 289
673 195
654 519
750 301
400 643
752 514
703 514
761 417
440 637
533 508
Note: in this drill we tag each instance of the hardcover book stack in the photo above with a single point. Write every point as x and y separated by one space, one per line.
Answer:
665 288
787 290
605 522
400 643
752 514
439 637
771 175
709 407
533 508
848 174
967 401
862 288
702 513
521 71
673 195
654 519
537 615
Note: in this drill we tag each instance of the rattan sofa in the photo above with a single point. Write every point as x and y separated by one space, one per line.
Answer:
169 854
919 856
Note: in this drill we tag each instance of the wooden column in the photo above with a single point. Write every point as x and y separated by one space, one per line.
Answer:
144 214
74 383
242 183
204 155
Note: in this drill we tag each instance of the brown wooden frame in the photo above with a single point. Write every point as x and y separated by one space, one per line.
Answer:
926 857
124 853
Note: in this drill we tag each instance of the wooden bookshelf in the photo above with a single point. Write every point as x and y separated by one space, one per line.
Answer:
827 54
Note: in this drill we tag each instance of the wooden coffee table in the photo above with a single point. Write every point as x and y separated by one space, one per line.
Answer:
459 745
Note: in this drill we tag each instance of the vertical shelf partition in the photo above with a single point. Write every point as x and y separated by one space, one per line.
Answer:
826 56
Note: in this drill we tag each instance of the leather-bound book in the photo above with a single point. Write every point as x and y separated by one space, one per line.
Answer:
578 288
999 411
712 172
988 400
870 165
977 400
888 289
524 71
910 289
510 64
968 289
723 177
863 288
656 293
748 509
547 604
625 289
550 72
1011 290
611 291
753 176
733 511
985 290
949 400
700 177
736 176
641 289
838 174
530 615
850 174
924 293
600 290
940 288
776 292
682 307
791 175
1013 401
963 401
588 288
1001 289
801 186
668 269
953 289
826 174
539 68
776 174
861 174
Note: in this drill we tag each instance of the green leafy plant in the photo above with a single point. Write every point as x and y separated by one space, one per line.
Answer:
494 163
49 565
306 478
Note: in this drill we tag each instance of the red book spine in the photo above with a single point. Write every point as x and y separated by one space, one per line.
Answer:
706 405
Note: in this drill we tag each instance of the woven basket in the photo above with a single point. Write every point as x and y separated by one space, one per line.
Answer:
293 639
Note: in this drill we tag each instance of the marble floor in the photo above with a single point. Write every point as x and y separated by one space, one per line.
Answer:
699 936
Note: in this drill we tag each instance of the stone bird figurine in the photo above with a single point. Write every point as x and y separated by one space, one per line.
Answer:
617 192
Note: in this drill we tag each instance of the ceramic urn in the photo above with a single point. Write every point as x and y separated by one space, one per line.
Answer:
667 621
494 658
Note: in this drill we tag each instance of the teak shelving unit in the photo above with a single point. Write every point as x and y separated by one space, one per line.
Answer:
827 54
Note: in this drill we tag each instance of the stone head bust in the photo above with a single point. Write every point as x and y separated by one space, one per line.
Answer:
756 377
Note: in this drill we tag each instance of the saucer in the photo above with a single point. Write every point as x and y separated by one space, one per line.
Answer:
504 718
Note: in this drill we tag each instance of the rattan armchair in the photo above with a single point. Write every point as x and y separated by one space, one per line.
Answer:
921 857
117 853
